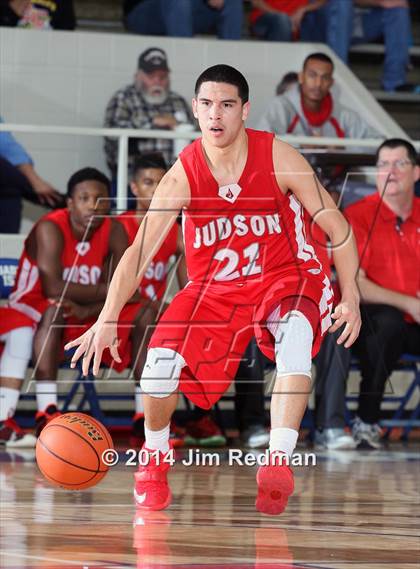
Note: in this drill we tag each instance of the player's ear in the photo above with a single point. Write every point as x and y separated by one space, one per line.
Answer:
194 107
134 189
245 110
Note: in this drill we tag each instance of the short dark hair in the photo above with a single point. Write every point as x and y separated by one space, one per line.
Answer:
319 56
396 143
225 74
152 160
84 175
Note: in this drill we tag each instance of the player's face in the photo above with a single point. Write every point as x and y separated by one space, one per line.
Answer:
90 199
145 184
220 112
316 80
395 173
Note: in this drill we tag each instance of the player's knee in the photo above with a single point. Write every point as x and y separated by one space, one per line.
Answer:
161 372
294 339
17 352
51 316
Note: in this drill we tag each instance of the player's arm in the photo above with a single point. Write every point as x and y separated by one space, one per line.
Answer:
49 247
170 197
181 267
294 174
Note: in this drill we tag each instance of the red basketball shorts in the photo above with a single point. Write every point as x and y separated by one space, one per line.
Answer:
210 325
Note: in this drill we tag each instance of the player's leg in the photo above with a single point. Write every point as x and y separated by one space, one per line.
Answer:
293 332
14 362
143 327
47 352
159 384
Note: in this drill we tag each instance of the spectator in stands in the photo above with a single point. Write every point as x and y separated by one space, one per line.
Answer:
309 108
38 14
19 180
386 226
284 20
373 20
184 18
68 251
148 103
288 81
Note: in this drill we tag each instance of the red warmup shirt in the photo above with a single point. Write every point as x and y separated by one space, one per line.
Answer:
285 6
389 251
153 284
82 263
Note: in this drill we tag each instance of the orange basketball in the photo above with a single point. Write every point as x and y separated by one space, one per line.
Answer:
69 451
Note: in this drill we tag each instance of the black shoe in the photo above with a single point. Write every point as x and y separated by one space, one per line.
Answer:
408 88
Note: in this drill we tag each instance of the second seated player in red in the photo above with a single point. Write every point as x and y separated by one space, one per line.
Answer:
243 197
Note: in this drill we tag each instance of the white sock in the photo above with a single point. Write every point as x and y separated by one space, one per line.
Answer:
46 394
157 440
284 440
9 398
138 395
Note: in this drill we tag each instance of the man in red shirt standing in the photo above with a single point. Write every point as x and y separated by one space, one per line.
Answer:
387 227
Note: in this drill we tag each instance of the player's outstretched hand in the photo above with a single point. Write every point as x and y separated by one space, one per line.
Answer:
348 313
92 343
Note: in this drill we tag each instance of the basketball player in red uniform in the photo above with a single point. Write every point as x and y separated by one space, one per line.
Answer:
65 257
148 171
250 270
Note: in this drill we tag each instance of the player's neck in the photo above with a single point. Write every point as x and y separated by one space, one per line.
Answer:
140 213
79 231
229 161
400 204
310 105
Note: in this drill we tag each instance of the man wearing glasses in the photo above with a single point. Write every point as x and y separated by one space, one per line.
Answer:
387 230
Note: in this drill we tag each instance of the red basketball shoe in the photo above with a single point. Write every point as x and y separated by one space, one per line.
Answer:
151 488
42 418
204 432
275 484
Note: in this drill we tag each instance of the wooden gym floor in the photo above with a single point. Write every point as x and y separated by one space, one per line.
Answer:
355 510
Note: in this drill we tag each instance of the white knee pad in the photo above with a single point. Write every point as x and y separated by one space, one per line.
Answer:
17 352
161 372
294 336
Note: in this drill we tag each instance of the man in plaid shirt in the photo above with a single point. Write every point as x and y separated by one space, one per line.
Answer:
148 103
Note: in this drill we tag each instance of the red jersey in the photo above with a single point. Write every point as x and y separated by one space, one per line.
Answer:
153 284
286 6
243 231
389 249
82 263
